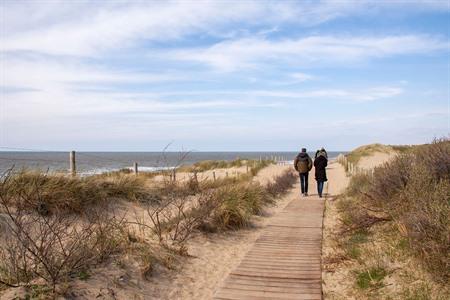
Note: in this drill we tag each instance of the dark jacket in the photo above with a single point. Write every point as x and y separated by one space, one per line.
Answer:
303 163
320 163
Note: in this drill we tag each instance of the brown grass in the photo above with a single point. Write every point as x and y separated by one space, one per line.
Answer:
413 190
59 193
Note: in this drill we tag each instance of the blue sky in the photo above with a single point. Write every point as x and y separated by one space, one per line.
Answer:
223 75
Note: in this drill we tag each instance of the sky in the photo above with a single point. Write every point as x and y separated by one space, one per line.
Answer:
223 75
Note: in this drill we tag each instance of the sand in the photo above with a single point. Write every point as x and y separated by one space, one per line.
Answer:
376 159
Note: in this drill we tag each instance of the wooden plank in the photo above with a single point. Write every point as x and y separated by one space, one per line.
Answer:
278 289
285 261
306 275
240 294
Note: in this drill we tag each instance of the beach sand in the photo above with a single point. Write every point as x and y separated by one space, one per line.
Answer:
376 159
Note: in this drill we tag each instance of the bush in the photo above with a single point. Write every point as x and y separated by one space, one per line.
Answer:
414 191
49 246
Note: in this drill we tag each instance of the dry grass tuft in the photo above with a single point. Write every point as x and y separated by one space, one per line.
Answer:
52 193
413 190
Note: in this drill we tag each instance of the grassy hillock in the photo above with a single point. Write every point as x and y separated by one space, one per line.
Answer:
395 225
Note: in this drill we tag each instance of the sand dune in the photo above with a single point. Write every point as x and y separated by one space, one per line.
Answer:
376 159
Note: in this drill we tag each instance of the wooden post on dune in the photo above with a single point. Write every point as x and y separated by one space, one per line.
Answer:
214 175
135 168
73 167
247 169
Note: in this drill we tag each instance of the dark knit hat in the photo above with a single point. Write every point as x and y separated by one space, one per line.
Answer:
303 149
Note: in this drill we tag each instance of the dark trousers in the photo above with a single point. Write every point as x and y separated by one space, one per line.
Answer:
320 185
304 182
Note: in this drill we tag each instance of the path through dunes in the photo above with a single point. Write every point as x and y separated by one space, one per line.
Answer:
285 260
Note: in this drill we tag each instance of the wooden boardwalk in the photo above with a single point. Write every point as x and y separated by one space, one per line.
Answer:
285 261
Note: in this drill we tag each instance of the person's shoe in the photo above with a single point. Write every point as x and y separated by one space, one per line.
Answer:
306 194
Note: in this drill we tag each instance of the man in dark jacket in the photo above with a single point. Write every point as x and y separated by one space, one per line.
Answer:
320 164
303 165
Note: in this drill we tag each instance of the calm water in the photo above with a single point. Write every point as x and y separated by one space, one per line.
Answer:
99 162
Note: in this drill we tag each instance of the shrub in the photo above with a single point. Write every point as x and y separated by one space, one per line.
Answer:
49 246
414 191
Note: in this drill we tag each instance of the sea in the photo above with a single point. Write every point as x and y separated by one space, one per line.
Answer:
90 163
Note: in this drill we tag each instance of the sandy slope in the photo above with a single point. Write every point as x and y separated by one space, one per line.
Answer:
376 159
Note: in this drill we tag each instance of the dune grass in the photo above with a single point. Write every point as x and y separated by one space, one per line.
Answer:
49 193
399 215
367 150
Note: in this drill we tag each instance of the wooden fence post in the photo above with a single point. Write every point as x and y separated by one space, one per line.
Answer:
73 167
214 175
135 168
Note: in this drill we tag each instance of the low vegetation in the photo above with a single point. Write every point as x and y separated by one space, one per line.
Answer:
56 228
395 223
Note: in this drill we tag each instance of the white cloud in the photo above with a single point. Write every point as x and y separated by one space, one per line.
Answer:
51 74
315 50
346 95
83 28
90 30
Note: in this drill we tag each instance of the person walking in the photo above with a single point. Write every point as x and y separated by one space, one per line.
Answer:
320 164
303 164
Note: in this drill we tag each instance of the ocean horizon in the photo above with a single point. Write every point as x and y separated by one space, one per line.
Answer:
90 163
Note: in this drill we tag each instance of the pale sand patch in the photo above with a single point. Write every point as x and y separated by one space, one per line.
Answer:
209 174
376 159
